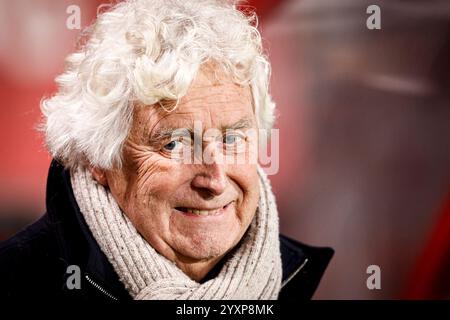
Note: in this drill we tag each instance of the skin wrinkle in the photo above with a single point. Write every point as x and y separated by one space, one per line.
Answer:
150 185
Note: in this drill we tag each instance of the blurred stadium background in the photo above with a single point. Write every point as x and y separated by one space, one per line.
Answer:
364 118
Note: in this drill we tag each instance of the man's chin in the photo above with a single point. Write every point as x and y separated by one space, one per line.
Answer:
202 251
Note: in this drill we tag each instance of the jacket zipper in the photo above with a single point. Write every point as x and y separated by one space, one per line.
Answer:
99 288
285 282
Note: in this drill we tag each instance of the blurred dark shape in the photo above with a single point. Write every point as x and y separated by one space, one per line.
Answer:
13 219
430 278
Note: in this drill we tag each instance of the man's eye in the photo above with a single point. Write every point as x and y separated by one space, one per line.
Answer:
177 147
172 145
232 139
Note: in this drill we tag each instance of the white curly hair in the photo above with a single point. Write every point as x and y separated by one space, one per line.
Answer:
147 51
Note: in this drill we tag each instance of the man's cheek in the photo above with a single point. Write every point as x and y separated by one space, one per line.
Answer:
245 174
152 173
155 188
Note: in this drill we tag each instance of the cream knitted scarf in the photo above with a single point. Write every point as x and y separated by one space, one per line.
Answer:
253 271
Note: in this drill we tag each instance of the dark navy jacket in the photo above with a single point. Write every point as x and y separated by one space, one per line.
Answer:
33 263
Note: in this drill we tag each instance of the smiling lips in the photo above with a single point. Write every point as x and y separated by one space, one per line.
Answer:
203 212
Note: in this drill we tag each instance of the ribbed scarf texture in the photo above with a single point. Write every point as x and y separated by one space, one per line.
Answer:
253 271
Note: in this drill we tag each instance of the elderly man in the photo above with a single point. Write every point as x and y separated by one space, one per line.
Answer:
142 200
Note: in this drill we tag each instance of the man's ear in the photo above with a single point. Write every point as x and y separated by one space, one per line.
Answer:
99 175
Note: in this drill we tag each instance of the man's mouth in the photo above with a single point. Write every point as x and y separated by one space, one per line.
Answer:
203 211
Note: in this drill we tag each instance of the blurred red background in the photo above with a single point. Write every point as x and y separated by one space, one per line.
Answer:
364 122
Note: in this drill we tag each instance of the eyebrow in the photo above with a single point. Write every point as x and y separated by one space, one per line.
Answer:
165 133
240 124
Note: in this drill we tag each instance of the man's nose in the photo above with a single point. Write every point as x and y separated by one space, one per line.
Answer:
211 178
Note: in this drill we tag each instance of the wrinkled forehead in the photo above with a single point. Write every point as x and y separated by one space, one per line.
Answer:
211 101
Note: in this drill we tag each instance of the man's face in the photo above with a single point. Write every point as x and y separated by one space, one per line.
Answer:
161 193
